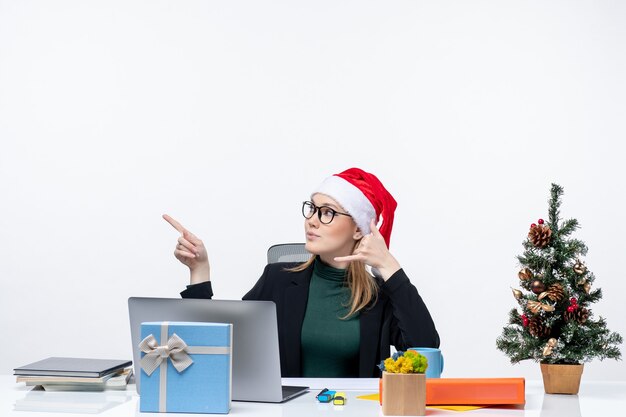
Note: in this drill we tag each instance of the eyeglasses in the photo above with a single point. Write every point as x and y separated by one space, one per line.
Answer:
324 213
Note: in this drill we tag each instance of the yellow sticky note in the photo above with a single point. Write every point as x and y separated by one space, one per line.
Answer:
374 397
458 407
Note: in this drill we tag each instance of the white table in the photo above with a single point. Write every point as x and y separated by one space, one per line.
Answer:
594 399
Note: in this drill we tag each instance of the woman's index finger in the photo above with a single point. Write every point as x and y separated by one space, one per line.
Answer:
174 223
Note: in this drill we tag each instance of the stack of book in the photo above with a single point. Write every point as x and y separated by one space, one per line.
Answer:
76 374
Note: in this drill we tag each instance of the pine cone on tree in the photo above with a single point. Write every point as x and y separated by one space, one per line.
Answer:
555 292
539 235
579 314
537 327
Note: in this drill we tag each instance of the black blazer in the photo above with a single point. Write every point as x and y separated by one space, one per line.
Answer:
399 317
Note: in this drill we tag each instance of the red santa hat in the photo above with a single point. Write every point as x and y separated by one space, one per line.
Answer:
364 197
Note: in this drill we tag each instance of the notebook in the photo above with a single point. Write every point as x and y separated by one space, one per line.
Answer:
81 367
256 361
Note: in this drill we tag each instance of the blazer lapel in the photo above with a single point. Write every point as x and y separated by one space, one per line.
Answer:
370 324
296 297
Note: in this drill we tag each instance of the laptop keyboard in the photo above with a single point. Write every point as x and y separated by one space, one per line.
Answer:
289 391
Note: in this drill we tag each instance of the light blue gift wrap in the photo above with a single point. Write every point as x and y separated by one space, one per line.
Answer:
186 367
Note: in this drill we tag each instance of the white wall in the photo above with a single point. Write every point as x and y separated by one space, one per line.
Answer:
226 114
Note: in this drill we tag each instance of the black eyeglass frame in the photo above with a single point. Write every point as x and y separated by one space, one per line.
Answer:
317 209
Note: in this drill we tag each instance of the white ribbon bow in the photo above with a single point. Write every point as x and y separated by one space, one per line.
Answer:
175 349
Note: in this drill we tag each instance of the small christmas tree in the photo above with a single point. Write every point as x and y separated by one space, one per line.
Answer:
556 325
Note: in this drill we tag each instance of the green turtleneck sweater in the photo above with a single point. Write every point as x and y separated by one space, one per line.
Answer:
330 344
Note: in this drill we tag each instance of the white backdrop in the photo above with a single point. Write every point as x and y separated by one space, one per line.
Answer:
226 114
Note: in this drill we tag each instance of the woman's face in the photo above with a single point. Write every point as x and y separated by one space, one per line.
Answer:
336 238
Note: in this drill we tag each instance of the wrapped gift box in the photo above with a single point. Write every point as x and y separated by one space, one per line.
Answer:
475 391
186 367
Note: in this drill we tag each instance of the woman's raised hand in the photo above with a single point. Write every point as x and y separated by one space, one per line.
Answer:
373 251
190 251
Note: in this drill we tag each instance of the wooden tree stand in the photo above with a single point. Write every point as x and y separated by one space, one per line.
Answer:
561 379
404 394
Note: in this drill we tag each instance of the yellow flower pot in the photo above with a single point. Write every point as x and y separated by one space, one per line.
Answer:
404 394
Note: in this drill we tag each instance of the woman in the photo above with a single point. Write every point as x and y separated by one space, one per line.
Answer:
334 318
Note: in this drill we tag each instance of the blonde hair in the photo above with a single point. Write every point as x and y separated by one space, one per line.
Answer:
363 287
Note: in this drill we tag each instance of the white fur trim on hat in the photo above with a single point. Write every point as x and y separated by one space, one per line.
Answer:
351 199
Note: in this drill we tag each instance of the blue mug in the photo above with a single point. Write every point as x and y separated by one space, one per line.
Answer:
435 361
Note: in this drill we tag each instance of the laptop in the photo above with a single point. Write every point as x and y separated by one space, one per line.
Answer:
256 361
